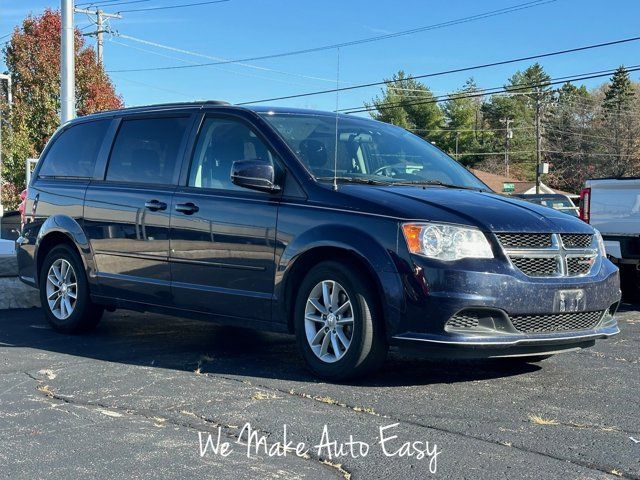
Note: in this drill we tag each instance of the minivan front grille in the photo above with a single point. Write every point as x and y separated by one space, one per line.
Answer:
550 254
525 240
576 240
579 265
537 267
556 322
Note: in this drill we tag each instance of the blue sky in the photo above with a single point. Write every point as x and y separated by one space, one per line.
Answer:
247 28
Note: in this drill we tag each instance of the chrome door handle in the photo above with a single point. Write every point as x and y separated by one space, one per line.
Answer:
187 208
155 205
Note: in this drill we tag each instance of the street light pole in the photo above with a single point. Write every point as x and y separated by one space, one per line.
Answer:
67 64
100 35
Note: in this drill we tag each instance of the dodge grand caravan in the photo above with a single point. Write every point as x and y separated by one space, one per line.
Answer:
352 234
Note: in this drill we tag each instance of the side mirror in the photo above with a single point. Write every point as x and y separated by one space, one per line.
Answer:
254 174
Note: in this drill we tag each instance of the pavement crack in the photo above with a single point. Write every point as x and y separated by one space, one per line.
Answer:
334 403
160 419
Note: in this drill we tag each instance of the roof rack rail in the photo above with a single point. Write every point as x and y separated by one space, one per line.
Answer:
169 104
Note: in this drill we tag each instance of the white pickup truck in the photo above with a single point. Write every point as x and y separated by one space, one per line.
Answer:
612 205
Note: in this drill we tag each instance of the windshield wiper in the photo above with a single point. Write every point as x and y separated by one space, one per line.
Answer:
366 181
436 183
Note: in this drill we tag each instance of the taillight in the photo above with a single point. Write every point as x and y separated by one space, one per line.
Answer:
22 206
585 204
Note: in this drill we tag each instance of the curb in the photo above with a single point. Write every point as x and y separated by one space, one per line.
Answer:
15 294
8 266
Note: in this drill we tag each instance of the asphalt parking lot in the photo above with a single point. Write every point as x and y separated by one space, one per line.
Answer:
128 401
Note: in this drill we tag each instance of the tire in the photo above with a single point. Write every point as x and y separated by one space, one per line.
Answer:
367 347
83 315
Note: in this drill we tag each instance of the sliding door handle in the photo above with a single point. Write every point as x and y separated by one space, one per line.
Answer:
155 205
187 208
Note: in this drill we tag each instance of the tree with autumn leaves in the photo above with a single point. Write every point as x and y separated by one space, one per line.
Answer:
32 57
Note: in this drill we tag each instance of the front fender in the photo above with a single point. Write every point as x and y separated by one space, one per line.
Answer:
71 229
378 257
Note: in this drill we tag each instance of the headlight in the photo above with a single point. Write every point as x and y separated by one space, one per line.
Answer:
601 248
446 242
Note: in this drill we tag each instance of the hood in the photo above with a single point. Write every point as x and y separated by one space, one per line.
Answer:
487 211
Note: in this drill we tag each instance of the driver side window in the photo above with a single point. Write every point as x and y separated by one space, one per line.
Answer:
220 143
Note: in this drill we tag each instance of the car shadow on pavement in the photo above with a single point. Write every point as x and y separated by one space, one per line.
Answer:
190 345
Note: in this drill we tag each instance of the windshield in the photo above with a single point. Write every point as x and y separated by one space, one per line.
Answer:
367 151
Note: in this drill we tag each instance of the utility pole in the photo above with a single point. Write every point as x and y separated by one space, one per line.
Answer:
508 135
538 142
100 29
67 64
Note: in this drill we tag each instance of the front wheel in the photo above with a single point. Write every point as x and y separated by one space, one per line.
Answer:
64 292
338 324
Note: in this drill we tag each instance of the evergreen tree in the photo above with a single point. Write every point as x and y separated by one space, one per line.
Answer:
525 90
620 127
569 135
463 120
409 104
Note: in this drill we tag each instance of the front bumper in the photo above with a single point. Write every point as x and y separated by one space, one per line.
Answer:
434 295
473 346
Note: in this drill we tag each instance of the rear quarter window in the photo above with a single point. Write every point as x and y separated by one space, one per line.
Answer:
74 152
146 150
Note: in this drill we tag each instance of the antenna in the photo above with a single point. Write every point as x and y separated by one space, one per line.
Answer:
335 153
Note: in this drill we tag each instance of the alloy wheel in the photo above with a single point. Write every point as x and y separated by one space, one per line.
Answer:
329 321
62 289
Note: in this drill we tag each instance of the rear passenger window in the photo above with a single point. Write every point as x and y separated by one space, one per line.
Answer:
146 150
75 150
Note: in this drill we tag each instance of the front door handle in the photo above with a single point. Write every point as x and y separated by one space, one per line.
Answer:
155 205
187 208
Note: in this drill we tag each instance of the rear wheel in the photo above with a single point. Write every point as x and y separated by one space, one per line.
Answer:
64 292
338 323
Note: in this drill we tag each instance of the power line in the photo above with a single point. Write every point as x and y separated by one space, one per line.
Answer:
596 107
167 7
578 134
201 55
109 3
472 18
155 87
456 70
494 90
592 154
101 28
521 152
288 82
478 130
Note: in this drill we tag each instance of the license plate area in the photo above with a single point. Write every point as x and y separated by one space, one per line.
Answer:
567 301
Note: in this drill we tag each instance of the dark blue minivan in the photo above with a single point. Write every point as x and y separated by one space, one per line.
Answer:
352 234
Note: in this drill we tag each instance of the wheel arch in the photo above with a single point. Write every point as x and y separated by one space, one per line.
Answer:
60 229
353 246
